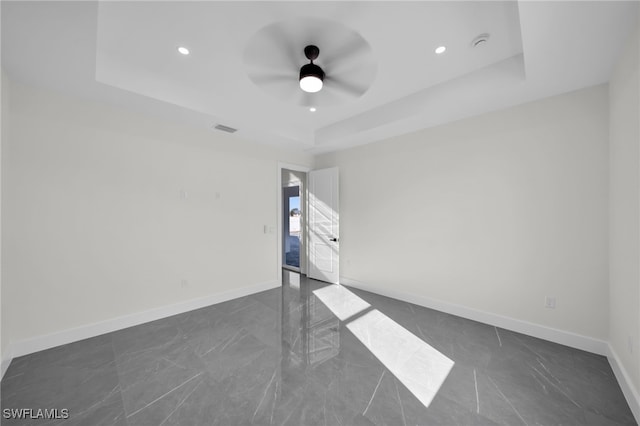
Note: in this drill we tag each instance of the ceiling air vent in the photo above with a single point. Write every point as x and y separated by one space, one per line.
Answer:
481 40
225 128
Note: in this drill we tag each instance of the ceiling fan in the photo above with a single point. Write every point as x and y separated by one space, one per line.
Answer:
311 75
284 60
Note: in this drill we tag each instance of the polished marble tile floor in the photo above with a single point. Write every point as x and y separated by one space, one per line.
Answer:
283 357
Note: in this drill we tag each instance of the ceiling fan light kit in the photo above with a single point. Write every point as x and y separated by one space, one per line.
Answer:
311 75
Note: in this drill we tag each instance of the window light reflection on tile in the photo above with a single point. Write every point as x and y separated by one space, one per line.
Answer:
294 280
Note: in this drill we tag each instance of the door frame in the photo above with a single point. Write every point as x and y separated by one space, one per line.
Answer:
297 168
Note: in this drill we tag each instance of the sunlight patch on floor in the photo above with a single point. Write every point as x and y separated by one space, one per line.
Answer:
343 303
419 366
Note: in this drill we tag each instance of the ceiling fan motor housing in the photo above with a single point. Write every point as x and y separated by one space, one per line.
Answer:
312 70
311 52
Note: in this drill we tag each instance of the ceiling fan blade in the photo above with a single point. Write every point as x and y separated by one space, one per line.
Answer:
261 79
283 42
279 84
352 51
352 89
350 71
272 50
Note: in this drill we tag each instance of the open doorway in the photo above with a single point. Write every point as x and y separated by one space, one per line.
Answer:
292 217
293 224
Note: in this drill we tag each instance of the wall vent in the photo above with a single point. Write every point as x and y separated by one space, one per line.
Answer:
225 128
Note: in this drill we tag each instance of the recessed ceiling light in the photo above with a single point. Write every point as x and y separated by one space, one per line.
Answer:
440 50
312 109
183 50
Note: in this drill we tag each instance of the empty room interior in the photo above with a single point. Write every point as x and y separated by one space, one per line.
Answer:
320 213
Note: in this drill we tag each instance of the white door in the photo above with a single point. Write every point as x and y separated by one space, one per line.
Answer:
323 225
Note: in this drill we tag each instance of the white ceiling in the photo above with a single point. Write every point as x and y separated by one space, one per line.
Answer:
125 53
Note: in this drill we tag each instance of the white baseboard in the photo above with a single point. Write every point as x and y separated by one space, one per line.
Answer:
39 343
562 337
626 384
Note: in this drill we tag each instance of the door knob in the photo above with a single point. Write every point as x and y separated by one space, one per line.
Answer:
334 239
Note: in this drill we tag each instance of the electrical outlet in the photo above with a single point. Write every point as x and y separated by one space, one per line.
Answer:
184 194
550 302
184 283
